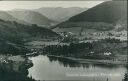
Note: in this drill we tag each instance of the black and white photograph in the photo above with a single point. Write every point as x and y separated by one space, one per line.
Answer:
63 40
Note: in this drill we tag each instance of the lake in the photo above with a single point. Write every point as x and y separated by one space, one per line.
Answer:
52 68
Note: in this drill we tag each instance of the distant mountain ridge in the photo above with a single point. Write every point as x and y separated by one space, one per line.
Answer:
60 14
31 17
7 17
45 17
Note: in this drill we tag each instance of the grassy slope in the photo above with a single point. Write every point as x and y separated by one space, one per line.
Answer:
13 35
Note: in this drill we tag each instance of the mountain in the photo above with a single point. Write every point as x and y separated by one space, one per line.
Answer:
13 35
109 12
103 17
31 17
60 14
7 17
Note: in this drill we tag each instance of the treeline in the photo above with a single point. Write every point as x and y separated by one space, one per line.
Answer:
66 50
111 40
83 50
101 26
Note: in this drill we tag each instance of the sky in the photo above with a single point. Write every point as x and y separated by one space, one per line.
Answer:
9 5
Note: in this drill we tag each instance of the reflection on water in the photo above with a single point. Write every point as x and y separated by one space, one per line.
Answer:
52 68
70 63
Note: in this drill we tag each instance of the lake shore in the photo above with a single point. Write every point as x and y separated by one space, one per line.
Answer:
80 60
17 61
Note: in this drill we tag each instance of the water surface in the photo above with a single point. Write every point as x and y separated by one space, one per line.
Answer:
51 68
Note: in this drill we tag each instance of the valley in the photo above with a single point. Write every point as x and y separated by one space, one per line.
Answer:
91 40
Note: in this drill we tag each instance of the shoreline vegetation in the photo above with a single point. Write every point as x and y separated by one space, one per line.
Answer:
84 61
105 51
14 68
113 50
